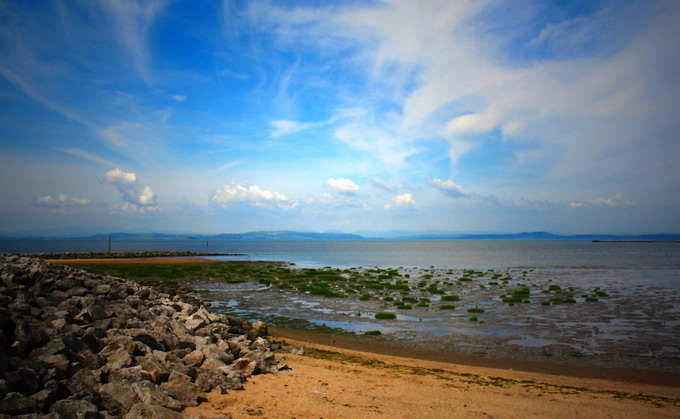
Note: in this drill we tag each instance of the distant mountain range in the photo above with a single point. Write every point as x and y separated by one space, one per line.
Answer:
308 236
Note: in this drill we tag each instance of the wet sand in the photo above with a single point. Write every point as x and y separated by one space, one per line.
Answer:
359 343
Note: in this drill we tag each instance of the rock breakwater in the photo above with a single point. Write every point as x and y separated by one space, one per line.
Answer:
75 344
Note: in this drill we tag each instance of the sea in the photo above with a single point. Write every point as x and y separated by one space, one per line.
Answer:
634 324
397 253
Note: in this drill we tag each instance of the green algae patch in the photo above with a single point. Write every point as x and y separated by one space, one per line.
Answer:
385 316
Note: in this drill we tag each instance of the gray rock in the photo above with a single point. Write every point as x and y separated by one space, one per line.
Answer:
83 380
146 411
153 396
113 347
118 397
75 409
16 404
118 359
157 372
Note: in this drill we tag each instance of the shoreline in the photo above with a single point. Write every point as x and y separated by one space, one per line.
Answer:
349 383
356 343
381 347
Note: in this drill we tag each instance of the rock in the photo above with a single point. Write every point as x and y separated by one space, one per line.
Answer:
118 397
152 396
244 367
76 409
157 372
23 380
118 359
145 411
194 358
260 329
16 404
214 352
84 380
209 380
194 322
212 363
80 345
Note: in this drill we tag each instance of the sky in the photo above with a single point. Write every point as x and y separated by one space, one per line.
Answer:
236 116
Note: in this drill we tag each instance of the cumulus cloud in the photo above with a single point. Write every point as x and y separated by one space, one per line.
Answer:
343 186
129 207
118 177
405 201
136 197
62 200
449 188
253 195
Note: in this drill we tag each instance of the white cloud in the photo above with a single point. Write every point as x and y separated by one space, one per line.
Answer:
147 197
615 201
583 93
253 195
129 207
130 191
449 188
131 22
118 177
62 200
283 127
376 142
179 98
343 186
405 201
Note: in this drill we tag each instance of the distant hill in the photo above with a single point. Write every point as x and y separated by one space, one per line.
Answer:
309 236
542 235
287 235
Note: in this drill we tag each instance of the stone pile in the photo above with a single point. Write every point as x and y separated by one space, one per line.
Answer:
75 344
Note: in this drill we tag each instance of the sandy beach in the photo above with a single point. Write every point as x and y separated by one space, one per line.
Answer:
330 382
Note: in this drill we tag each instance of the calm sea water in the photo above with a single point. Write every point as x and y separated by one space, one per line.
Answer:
395 253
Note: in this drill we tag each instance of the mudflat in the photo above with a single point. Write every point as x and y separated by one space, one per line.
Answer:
345 378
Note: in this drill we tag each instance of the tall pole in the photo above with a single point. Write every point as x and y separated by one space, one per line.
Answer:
109 243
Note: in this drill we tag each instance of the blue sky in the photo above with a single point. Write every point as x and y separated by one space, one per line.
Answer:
228 116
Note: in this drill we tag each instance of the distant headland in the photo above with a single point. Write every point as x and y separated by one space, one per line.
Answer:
310 236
